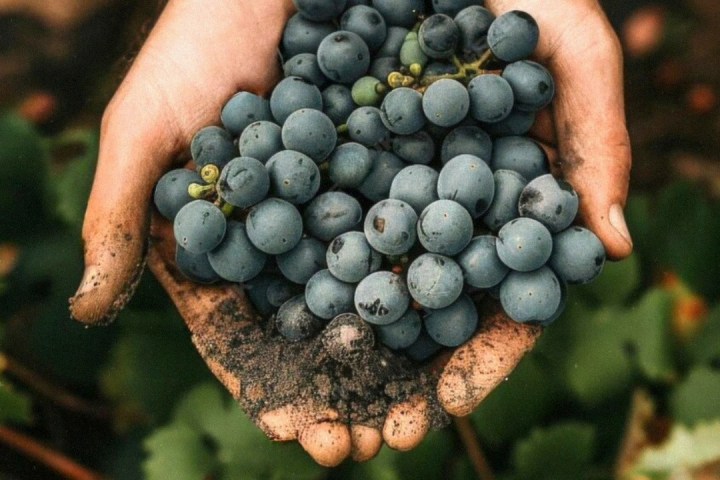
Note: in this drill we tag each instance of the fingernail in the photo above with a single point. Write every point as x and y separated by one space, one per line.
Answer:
617 220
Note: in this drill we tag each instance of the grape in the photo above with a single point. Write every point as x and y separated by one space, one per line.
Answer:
531 83
295 321
480 263
349 164
513 36
212 145
319 10
416 148
440 68
423 348
195 266
403 13
549 200
343 57
337 103
530 296
491 98
260 140
446 102
303 36
402 333
327 297
578 255
274 226
381 298
171 191
445 227
473 23
411 53
243 182
365 126
434 281
392 44
390 227
524 244
517 123
305 66
438 36
348 339
256 290
367 23
350 257
453 325
291 94
466 140
310 132
303 261
241 110
452 7
467 180
293 176
365 91
280 290
382 67
330 214
402 111
561 307
415 185
199 226
508 186
376 185
520 154
236 259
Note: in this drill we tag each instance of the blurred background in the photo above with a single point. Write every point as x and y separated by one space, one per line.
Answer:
625 385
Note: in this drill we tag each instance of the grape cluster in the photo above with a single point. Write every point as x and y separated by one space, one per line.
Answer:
386 177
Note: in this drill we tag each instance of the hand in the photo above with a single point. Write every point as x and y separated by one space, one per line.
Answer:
177 85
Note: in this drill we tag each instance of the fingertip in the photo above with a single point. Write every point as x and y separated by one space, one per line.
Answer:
406 424
366 442
328 443
618 242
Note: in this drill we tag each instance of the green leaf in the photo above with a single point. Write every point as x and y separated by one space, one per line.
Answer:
382 467
562 451
616 283
177 451
650 318
14 406
74 181
683 449
705 347
427 460
697 398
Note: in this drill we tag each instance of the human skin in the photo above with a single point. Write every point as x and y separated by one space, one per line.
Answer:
198 54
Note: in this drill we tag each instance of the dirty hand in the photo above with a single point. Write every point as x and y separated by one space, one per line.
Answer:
200 53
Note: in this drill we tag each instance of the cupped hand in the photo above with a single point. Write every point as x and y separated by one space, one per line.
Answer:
200 53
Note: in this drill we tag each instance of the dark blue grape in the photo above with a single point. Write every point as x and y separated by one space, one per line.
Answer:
423 348
439 68
294 176
319 10
513 36
381 67
350 257
480 263
274 226
390 227
561 307
195 266
468 140
260 140
310 132
331 214
531 296
291 94
303 36
199 226
549 200
524 244
508 186
367 23
403 13
295 321
305 65
453 325
256 290
416 148
243 182
236 259
212 146
473 23
381 298
446 102
445 227
376 185
578 255
365 126
434 281
518 122
491 98
243 109
402 111
392 44
327 297
303 261
402 333
520 154
438 36
531 83
171 191
343 57
280 290
469 181
337 103
349 164
415 185
453 7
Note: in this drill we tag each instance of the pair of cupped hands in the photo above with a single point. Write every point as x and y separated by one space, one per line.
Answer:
201 52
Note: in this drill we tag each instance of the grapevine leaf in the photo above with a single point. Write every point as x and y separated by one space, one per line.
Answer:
381 467
14 406
177 451
704 347
616 283
562 451
74 182
650 320
426 461
696 398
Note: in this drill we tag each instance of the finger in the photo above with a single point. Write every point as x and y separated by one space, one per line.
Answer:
328 443
480 365
366 442
406 424
285 423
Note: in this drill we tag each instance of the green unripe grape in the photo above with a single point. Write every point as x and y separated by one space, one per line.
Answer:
411 53
367 91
